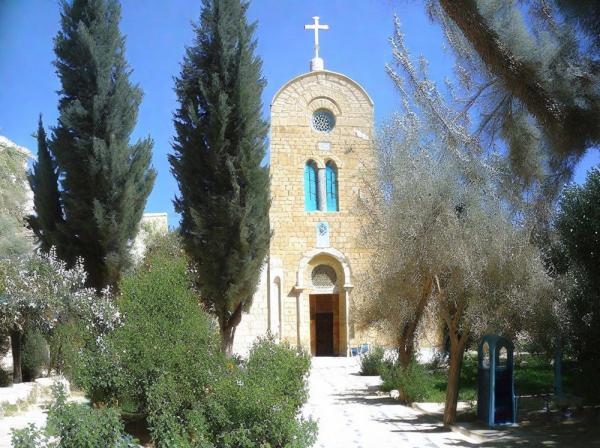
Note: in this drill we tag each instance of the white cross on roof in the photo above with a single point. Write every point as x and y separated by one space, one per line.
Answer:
317 62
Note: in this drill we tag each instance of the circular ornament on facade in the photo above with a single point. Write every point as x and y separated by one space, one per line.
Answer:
323 120
323 276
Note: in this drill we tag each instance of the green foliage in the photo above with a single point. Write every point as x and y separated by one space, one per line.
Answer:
529 73
258 404
104 180
35 355
5 379
81 426
281 368
217 161
43 180
255 405
28 437
411 381
13 199
65 342
165 332
371 363
578 227
4 343
98 370
76 426
164 363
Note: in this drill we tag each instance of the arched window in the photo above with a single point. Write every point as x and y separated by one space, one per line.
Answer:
311 187
332 187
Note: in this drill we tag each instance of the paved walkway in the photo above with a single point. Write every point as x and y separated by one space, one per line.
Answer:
351 413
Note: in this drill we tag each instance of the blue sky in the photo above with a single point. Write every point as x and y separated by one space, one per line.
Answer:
157 32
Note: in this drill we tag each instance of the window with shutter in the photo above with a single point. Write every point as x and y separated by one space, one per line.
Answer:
310 187
332 187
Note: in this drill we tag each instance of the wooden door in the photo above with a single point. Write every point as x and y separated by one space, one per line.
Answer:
324 334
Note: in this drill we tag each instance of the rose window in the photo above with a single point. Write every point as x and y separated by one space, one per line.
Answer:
323 120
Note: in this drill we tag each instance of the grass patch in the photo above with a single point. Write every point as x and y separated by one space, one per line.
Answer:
534 375
8 409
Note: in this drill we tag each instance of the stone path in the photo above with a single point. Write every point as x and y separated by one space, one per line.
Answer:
351 414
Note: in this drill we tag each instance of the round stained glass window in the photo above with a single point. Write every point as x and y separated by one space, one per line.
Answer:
323 120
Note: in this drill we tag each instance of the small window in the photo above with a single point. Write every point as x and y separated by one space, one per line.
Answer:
323 120
486 356
324 276
311 187
502 357
331 187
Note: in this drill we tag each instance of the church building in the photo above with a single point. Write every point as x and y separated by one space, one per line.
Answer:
320 153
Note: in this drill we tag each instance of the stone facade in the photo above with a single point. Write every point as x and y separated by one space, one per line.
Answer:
286 300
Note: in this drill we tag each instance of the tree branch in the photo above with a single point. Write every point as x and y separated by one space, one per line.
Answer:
570 126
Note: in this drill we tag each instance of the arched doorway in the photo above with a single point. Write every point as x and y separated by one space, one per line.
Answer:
324 324
323 287
324 312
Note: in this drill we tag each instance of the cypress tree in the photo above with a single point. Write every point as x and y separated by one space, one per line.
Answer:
43 180
104 179
218 150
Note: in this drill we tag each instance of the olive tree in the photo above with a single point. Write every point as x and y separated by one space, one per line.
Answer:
445 240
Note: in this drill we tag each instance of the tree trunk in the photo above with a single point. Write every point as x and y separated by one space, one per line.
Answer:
228 327
227 336
406 341
457 349
406 351
16 342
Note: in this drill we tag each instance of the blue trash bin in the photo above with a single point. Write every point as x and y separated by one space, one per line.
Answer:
496 399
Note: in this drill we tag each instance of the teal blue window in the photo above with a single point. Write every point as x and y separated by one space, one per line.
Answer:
332 187
311 187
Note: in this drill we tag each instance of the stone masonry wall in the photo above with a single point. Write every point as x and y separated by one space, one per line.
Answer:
293 142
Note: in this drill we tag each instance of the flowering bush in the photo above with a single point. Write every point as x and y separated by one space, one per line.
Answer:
40 292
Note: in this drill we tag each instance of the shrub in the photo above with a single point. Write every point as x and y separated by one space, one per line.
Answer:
35 355
85 350
256 404
76 425
263 398
65 343
168 347
371 362
413 382
98 371
168 367
5 378
165 332
4 344
29 437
